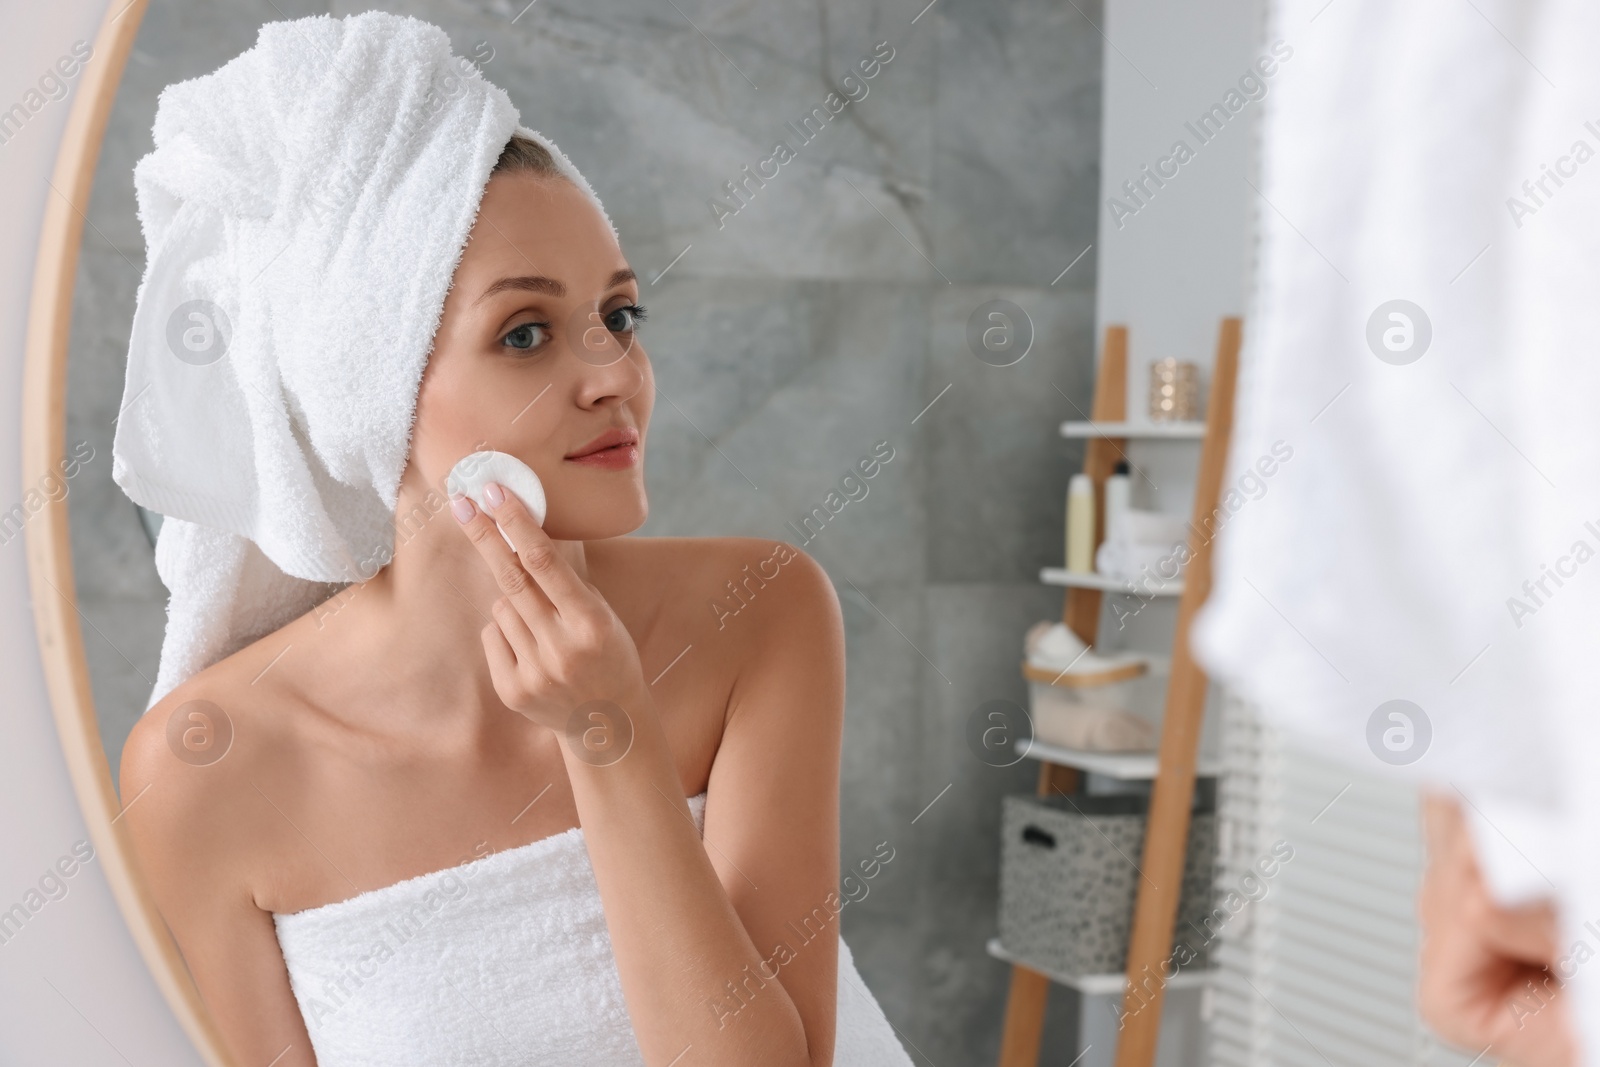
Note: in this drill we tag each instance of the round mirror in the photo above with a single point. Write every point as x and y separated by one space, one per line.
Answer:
813 367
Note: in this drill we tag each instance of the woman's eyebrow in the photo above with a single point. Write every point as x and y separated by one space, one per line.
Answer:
534 283
538 283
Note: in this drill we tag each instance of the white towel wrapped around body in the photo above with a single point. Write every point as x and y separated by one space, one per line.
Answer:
408 973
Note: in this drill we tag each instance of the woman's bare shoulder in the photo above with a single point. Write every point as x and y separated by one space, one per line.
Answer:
188 766
767 601
703 558
235 711
754 579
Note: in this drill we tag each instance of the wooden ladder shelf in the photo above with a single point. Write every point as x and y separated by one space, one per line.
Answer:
1172 792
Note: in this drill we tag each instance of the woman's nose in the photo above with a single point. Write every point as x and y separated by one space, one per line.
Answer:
607 359
593 342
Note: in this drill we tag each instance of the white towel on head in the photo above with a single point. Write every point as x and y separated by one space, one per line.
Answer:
304 210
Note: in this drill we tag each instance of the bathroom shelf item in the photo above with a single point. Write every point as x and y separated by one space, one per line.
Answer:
1106 583
1176 431
1126 766
1176 762
1095 984
1083 679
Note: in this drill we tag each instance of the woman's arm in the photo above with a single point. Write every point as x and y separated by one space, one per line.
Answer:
187 827
726 949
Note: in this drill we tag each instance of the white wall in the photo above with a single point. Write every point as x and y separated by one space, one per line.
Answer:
1172 263
1176 266
73 988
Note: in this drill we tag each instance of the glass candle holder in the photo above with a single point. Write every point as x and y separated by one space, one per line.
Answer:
1174 391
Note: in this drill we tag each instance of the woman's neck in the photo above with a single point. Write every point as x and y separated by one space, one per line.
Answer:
407 644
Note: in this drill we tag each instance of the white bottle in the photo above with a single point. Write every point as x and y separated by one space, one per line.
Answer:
1119 497
1080 524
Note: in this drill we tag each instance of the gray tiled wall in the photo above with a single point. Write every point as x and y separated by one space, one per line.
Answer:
826 315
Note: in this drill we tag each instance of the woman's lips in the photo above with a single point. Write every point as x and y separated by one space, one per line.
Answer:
615 449
615 458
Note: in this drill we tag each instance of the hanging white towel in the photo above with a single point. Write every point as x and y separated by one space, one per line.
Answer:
1446 449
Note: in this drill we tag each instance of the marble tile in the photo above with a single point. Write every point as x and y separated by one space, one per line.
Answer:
1016 171
879 941
658 116
880 784
878 775
769 395
969 646
124 650
997 469
971 650
878 802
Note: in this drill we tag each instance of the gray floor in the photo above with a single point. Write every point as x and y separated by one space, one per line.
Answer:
823 317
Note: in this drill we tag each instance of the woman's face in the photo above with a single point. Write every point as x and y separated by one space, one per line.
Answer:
535 356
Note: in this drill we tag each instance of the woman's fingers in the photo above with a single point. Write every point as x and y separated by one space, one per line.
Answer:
1527 932
514 628
508 569
503 667
555 642
501 656
537 553
1524 933
1486 971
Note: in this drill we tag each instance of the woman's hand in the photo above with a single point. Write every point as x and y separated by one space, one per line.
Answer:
1488 972
555 644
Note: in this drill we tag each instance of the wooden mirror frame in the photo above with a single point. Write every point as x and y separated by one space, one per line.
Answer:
49 546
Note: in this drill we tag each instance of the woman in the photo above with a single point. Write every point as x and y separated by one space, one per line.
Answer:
392 862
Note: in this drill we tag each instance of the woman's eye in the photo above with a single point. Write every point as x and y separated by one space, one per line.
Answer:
625 318
526 336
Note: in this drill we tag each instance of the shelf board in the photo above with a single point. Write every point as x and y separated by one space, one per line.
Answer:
1172 431
1103 984
1127 766
1081 679
1106 583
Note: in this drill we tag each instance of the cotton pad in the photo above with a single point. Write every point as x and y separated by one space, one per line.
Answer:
469 475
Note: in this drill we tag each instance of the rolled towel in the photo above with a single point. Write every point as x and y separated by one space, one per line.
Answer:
1052 644
1051 648
1147 543
1153 527
1140 562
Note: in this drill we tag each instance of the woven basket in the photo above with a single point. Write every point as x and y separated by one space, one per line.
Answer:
1067 881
